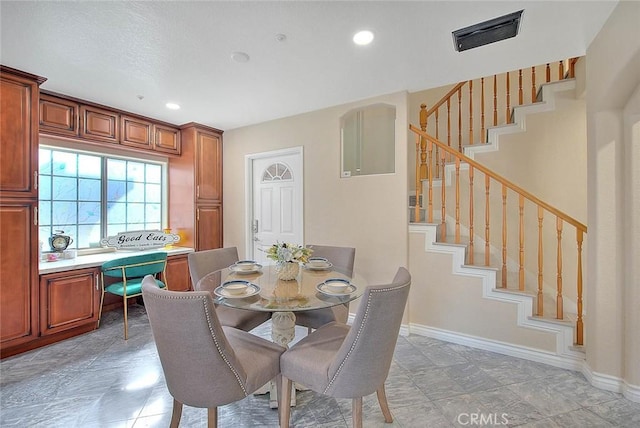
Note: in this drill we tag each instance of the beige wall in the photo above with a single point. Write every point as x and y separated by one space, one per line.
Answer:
613 76
550 159
454 303
366 212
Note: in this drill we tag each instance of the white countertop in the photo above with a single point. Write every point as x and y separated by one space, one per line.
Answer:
93 260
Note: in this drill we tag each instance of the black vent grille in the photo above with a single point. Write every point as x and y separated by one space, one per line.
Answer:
490 31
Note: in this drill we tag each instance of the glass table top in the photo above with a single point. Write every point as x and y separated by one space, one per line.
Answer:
268 293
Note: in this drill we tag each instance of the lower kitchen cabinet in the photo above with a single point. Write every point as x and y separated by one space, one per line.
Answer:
68 300
177 273
208 227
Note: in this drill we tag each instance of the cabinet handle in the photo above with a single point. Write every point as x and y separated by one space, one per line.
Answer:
35 180
198 191
35 216
198 214
97 285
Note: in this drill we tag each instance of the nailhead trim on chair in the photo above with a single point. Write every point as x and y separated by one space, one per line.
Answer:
213 336
364 319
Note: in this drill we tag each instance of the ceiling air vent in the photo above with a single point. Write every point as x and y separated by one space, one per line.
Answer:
487 32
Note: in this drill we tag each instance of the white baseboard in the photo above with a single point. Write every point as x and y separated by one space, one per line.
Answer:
563 361
599 380
612 383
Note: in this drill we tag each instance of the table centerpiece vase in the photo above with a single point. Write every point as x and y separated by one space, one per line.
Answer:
287 271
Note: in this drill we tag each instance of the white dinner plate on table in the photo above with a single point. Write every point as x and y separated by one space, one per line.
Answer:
235 269
252 290
324 289
326 266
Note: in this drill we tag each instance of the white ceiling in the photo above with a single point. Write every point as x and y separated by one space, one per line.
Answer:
112 52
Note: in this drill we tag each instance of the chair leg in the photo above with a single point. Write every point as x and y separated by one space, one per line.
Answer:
101 299
176 414
126 325
100 312
285 397
384 406
212 417
356 412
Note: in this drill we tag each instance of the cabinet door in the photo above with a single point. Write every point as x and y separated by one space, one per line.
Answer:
69 299
177 273
208 168
99 125
208 227
18 136
18 271
58 116
166 139
135 132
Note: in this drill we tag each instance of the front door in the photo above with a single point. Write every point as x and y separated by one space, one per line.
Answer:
277 201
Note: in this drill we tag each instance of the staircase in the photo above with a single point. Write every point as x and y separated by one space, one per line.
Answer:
481 245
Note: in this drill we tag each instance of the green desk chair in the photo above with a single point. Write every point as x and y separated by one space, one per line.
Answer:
131 271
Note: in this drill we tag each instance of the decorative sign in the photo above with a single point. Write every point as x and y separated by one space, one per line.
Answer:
140 239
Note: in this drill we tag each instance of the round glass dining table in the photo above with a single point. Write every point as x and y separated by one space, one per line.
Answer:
283 298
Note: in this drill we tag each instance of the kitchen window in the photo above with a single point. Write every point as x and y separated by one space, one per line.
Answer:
91 195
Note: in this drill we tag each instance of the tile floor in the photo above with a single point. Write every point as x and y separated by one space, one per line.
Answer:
100 380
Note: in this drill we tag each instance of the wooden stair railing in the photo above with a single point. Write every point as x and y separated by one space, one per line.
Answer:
433 146
470 129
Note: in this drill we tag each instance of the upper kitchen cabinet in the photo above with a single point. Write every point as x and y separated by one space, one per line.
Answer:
58 116
166 139
19 94
99 124
64 116
136 132
208 165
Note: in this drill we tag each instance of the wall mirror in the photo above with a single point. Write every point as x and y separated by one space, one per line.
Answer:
368 140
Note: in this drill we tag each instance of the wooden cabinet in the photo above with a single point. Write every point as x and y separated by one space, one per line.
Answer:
19 93
195 188
208 227
166 139
136 132
69 300
68 117
18 273
18 133
59 116
99 124
208 167
177 273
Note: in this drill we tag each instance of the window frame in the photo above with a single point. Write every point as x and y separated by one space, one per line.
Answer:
107 153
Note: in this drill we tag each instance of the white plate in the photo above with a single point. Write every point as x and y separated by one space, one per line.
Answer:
256 268
322 287
252 290
325 267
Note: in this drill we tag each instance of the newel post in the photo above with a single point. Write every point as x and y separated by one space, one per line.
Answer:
423 141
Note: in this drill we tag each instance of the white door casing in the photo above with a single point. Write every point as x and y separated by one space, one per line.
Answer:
274 200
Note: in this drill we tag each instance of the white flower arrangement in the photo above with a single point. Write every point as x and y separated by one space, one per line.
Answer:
282 252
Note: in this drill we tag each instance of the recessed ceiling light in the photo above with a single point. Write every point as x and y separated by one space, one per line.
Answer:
363 37
172 106
239 56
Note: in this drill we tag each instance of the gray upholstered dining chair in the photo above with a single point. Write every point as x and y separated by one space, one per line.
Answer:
350 362
205 365
203 262
342 259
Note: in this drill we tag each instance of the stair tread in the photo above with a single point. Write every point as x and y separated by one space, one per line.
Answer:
565 321
514 291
